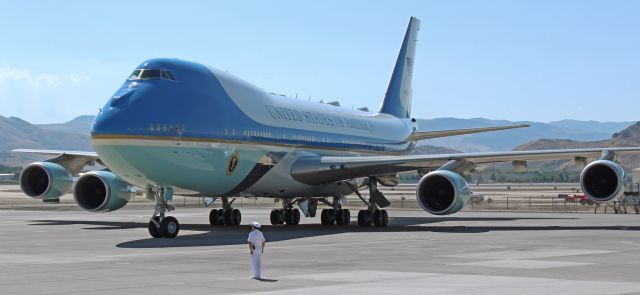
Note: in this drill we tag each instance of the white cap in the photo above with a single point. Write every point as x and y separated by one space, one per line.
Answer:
256 224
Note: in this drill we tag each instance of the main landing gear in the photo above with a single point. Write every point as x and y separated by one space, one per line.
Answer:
161 226
287 214
336 214
225 216
373 214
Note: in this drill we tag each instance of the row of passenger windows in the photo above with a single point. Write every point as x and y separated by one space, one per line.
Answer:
267 134
147 74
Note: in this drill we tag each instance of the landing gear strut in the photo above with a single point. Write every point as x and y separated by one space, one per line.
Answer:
336 214
161 226
227 215
373 214
287 214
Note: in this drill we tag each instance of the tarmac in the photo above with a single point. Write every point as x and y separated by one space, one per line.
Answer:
75 252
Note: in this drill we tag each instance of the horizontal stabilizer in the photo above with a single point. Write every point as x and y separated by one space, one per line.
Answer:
420 135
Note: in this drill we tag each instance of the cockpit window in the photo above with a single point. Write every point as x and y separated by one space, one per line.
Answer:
149 74
146 74
135 74
168 75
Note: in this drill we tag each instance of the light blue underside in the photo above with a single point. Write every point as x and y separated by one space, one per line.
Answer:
197 169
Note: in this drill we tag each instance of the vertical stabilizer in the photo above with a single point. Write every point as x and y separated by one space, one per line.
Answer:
397 100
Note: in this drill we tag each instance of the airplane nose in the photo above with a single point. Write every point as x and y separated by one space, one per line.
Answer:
121 100
108 121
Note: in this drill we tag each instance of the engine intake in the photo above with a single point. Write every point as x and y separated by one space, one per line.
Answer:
45 180
602 180
442 192
102 191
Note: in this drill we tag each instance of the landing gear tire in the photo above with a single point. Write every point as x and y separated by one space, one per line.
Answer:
232 217
169 227
275 217
364 218
327 217
227 217
216 217
343 216
377 218
380 218
346 217
287 215
296 216
281 216
153 229
292 216
236 216
385 218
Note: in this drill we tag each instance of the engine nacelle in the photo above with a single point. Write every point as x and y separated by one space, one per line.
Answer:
102 191
602 180
442 192
45 180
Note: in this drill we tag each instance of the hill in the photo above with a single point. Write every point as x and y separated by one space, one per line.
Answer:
630 136
79 125
17 133
509 139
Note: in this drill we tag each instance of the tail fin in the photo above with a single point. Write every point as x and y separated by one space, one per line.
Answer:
397 100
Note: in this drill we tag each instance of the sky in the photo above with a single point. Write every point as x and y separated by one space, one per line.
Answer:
535 60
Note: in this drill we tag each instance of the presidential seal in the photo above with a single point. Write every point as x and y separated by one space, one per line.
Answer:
233 163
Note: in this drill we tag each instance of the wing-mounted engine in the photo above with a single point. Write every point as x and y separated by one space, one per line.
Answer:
54 177
442 192
602 180
102 191
45 180
445 191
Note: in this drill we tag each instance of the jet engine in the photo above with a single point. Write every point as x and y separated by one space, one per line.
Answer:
45 180
102 191
442 192
602 180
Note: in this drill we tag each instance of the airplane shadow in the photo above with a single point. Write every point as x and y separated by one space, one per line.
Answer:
235 235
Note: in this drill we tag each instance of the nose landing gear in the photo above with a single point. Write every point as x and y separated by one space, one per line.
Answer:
161 226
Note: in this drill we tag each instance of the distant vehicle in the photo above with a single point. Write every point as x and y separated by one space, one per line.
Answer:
476 199
579 198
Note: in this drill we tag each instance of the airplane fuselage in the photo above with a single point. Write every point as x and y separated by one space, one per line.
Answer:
209 133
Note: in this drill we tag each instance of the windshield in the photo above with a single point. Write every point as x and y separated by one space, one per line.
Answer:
135 74
146 74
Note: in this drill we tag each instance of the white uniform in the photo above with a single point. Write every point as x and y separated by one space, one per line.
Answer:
256 238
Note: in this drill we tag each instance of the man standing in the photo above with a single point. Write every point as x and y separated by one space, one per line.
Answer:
256 248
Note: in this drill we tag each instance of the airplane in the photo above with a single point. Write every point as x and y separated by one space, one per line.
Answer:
180 127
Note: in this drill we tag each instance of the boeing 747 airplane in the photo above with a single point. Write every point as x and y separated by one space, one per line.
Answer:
179 127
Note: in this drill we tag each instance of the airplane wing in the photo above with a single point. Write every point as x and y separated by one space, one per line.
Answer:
73 161
420 135
325 169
